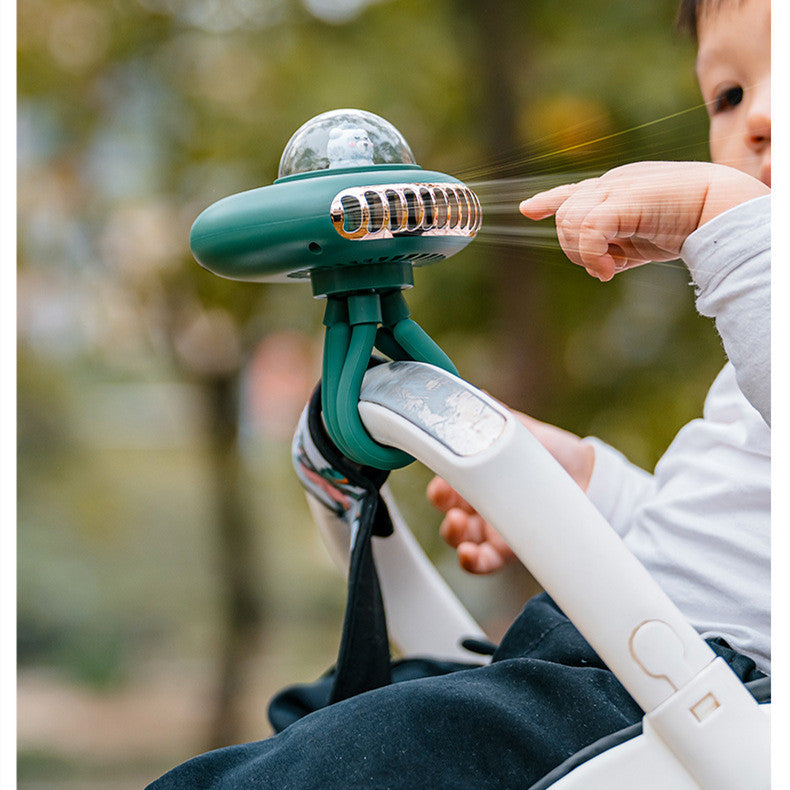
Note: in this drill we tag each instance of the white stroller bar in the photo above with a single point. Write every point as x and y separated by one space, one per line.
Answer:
698 711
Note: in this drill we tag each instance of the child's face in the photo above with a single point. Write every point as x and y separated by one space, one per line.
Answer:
734 71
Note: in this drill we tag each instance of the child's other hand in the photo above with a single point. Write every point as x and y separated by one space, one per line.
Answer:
639 212
480 548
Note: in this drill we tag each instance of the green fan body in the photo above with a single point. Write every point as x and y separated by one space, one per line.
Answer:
285 231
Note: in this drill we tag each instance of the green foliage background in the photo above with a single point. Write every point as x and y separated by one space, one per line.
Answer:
134 116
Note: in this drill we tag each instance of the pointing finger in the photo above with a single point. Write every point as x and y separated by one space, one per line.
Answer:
544 204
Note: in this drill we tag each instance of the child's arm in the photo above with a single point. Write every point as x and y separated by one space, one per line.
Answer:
640 212
617 487
630 216
647 211
730 261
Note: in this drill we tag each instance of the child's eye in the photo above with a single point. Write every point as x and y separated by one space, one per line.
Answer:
728 99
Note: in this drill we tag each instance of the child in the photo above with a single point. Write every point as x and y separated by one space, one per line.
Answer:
700 523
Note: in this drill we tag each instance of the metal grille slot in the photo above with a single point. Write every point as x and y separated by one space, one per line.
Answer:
477 210
463 220
355 217
396 203
426 196
440 200
377 216
452 208
415 210
389 210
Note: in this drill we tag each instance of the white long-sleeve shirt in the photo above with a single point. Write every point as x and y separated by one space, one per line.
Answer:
700 523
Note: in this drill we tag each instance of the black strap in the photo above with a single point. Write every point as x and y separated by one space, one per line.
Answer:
363 661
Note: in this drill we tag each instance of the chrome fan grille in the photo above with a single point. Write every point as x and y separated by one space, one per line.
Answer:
386 211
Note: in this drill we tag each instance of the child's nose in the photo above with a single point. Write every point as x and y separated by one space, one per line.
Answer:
758 122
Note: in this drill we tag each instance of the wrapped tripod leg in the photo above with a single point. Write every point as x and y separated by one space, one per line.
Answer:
353 493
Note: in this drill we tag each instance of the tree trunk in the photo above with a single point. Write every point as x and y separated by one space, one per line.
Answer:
242 606
500 41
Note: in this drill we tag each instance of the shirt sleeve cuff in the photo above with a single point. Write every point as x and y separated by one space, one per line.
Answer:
729 238
616 485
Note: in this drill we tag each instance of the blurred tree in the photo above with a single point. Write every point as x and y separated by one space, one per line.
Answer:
501 44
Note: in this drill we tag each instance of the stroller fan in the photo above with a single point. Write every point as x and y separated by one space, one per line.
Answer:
352 212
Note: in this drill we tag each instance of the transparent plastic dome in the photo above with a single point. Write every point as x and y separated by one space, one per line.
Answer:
344 138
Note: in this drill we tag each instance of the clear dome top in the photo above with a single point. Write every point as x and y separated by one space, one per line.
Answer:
344 138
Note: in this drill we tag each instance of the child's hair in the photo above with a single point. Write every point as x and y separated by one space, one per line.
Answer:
689 12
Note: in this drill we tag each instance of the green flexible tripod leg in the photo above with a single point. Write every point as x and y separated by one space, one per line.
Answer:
336 340
352 331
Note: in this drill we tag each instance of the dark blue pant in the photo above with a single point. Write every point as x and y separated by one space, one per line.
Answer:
545 696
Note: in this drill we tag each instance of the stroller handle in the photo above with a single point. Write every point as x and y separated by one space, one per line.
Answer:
497 465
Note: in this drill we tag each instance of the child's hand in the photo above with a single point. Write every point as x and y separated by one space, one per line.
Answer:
640 212
480 548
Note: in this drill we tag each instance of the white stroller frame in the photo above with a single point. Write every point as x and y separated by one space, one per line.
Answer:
702 729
